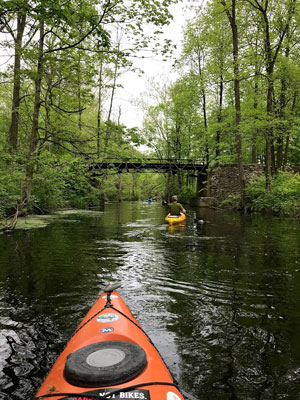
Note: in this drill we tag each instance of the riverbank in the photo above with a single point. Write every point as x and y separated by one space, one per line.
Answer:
283 199
41 221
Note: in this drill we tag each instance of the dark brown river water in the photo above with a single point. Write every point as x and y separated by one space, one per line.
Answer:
221 300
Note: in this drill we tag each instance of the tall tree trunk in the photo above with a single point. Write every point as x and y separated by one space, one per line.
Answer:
254 136
204 111
237 99
79 108
113 91
255 106
120 187
270 62
282 111
47 108
119 115
134 185
219 118
282 127
14 126
269 132
99 109
287 143
108 129
33 139
270 92
205 125
79 95
271 55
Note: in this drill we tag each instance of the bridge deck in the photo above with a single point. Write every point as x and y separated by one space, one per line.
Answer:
149 164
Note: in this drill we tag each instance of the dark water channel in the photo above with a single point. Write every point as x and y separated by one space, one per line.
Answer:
221 300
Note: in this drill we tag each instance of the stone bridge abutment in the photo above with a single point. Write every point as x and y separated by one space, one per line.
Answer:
221 181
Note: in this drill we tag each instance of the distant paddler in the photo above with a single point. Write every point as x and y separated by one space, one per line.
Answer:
176 212
176 208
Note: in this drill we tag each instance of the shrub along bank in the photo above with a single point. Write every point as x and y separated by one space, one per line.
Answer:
55 187
70 184
283 199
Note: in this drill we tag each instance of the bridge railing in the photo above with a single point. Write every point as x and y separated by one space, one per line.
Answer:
165 165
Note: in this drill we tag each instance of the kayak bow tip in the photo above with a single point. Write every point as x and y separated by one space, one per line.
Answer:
111 287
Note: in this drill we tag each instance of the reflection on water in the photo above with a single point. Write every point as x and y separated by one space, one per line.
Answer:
221 300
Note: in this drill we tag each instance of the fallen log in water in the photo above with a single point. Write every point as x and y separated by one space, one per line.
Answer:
12 224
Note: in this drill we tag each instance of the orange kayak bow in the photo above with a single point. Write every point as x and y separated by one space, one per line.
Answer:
109 357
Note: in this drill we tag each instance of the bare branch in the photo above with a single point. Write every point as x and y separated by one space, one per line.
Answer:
67 111
223 2
9 29
257 6
282 36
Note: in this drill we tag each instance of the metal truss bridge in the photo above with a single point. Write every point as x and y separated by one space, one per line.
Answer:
194 167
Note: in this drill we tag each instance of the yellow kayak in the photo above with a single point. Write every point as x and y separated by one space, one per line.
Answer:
175 219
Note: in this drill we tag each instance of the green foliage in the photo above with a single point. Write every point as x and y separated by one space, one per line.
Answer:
185 194
283 199
11 177
180 185
78 189
47 192
78 69
232 202
197 112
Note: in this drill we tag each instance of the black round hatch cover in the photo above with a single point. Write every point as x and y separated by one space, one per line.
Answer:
105 363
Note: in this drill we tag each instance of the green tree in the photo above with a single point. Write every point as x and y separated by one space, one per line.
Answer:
64 33
231 14
275 28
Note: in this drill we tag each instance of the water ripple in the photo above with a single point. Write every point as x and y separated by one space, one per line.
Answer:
220 301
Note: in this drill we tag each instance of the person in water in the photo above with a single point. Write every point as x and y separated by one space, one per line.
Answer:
175 208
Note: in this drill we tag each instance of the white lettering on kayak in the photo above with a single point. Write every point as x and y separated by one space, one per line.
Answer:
139 394
107 317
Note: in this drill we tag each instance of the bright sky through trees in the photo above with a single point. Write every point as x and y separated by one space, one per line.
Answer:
136 85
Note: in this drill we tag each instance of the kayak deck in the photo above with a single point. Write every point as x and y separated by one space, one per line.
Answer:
113 337
175 219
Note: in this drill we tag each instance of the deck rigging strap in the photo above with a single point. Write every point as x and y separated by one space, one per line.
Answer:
145 333
109 305
86 322
113 392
